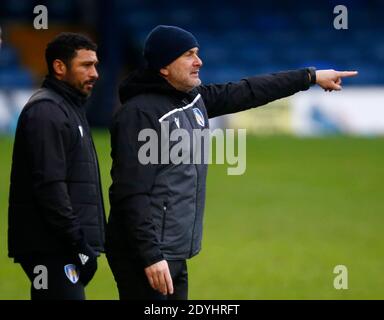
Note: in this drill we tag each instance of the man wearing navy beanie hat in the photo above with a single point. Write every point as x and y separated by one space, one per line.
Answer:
165 44
156 217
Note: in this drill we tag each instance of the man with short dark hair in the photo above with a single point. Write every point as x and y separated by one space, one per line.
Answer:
156 217
56 210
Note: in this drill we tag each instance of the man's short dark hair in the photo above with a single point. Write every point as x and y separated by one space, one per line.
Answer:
64 46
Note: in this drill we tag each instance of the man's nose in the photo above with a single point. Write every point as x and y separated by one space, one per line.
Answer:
94 73
198 62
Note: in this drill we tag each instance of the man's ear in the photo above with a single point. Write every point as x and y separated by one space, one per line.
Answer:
164 72
59 67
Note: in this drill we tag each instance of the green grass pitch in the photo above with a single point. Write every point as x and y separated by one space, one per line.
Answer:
302 207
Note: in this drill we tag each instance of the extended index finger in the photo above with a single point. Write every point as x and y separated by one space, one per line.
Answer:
344 74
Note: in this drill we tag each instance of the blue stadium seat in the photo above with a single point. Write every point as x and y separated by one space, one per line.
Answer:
15 78
253 35
8 57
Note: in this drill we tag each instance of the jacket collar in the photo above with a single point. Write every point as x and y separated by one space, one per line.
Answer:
145 80
66 90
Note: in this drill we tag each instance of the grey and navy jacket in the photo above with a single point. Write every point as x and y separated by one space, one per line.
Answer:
157 208
55 199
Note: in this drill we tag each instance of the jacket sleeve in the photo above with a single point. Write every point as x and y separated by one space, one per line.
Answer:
47 135
132 183
252 92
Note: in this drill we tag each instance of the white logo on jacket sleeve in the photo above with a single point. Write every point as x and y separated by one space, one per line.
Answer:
71 272
83 258
199 116
177 121
81 130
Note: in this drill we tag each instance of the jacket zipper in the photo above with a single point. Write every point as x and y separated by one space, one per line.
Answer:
84 123
194 221
101 216
196 193
163 222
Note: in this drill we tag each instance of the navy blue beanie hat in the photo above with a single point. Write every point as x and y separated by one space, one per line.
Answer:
165 44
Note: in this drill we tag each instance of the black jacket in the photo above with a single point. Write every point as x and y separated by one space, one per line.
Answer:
157 209
55 199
